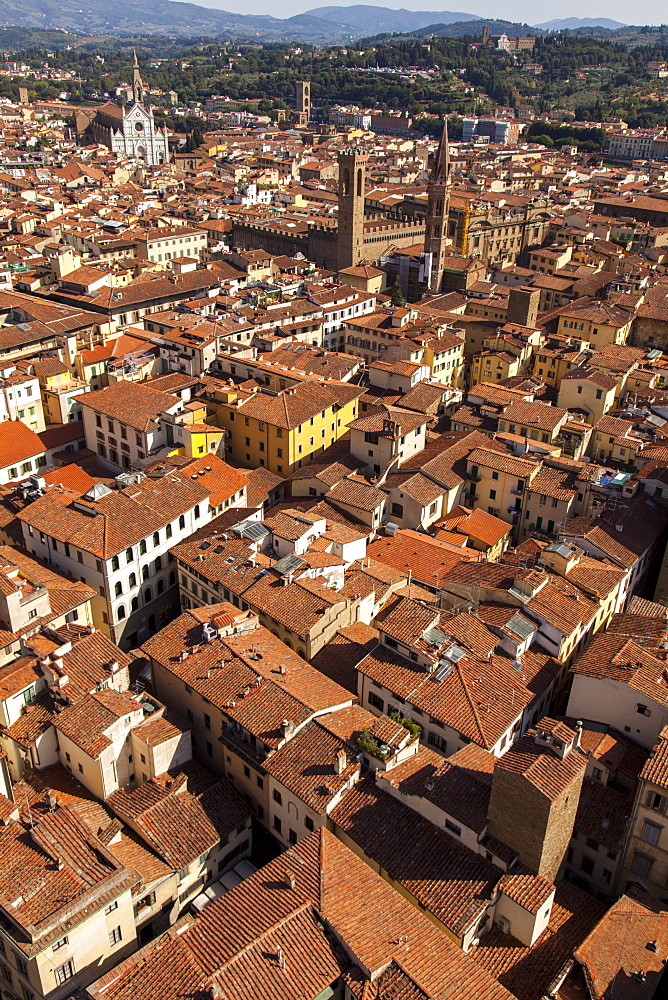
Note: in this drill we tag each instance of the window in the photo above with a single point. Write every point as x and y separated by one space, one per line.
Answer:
207 721
308 822
643 710
278 797
115 936
375 701
246 771
398 509
642 864
597 774
20 964
259 781
64 972
182 522
209 749
453 828
112 906
60 943
656 802
114 564
156 538
120 614
292 836
495 475
651 832
492 494
168 531
587 866
434 740
277 824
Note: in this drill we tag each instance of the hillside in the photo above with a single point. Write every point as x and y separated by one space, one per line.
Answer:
321 26
367 20
165 17
566 23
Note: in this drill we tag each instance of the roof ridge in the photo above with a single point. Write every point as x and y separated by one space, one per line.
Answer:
471 703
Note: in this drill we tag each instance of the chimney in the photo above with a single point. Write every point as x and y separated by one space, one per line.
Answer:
287 728
340 762
289 880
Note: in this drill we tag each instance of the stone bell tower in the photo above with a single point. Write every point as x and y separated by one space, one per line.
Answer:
350 240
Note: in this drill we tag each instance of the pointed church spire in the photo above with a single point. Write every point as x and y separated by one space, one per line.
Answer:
440 173
137 83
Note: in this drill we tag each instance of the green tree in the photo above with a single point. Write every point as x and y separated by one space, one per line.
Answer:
396 296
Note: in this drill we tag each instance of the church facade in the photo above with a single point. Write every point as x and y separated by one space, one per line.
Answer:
129 130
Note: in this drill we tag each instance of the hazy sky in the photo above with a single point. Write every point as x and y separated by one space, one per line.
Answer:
531 11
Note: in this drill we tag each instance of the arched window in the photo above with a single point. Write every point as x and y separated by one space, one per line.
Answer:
158 564
118 589
168 531
129 555
359 183
148 595
114 564
156 538
345 183
142 546
161 586
121 612
135 604
133 580
182 522
144 573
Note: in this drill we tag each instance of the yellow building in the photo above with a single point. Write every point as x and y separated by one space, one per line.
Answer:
444 355
59 390
497 482
600 323
490 366
614 440
588 391
281 431
558 356
199 439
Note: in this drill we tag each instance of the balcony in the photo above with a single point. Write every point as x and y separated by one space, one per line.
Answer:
232 738
517 492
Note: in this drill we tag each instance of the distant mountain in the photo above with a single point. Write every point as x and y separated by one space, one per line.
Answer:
322 26
166 18
328 25
460 28
565 23
368 20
